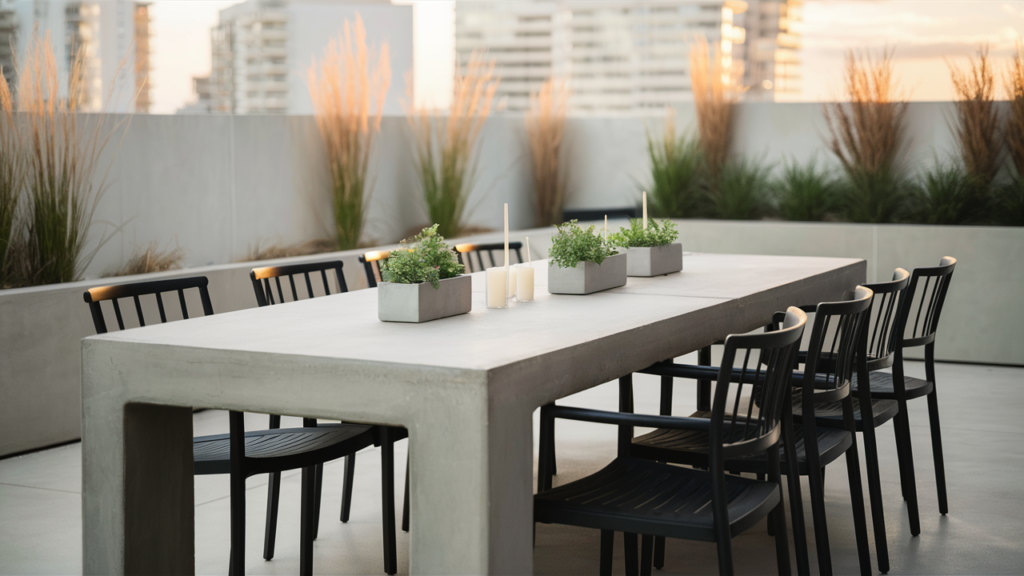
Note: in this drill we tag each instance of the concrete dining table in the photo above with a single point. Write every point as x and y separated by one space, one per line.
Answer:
465 387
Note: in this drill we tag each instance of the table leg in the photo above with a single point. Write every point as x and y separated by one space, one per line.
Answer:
137 493
472 490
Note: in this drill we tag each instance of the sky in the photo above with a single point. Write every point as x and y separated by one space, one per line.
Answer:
925 36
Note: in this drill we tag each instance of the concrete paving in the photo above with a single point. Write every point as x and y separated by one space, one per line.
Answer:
40 498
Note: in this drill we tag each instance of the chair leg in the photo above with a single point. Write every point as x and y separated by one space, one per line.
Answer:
940 468
273 498
646 554
607 549
307 515
875 494
318 484
629 542
405 505
237 481
902 425
387 448
816 484
778 515
659 552
346 487
860 524
554 463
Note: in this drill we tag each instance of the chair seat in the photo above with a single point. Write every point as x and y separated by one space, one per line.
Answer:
882 386
282 449
691 448
645 497
830 414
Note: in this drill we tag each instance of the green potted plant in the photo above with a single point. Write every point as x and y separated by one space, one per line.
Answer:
652 251
423 282
582 263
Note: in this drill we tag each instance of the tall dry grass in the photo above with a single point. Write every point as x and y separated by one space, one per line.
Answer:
151 258
348 87
445 145
545 129
1014 81
977 125
64 149
715 90
677 181
867 135
12 177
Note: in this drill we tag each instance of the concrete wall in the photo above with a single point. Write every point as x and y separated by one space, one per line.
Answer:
41 328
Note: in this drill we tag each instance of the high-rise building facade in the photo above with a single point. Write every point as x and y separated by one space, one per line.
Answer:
261 50
772 49
111 36
618 56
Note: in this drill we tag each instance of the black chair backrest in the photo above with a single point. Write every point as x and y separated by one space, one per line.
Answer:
919 317
94 296
261 280
749 423
586 214
495 254
832 351
371 264
881 330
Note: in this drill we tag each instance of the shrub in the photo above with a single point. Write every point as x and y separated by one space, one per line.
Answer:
740 191
12 177
447 175
947 195
545 128
805 193
676 173
429 259
875 197
1010 203
573 245
636 237
351 83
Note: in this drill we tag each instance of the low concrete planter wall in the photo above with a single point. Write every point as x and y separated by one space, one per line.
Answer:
655 261
588 277
422 302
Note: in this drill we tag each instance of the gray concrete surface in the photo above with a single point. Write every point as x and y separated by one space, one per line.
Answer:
466 403
41 523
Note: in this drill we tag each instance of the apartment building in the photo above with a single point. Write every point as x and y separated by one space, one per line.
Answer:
619 56
261 50
772 50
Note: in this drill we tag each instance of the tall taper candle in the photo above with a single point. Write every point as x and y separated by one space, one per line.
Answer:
508 290
645 209
529 257
606 229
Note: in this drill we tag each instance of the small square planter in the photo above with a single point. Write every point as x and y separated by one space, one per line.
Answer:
588 277
421 302
655 261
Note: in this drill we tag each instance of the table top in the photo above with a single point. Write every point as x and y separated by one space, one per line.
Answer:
345 327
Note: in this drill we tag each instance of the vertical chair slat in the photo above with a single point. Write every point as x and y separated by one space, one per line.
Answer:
327 287
184 307
160 307
138 310
309 285
920 305
117 312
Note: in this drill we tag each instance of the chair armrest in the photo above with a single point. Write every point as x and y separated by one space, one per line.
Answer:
669 368
628 419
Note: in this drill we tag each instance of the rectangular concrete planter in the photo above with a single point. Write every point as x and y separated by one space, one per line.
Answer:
422 302
588 277
655 261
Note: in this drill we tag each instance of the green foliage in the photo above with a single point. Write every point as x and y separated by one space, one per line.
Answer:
676 189
636 237
740 191
428 260
1010 203
948 195
805 193
876 197
446 182
573 245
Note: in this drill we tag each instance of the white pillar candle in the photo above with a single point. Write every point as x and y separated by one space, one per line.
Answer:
524 288
512 271
645 209
496 287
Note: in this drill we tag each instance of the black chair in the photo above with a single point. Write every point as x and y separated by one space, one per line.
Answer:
921 303
587 214
371 264
495 255
640 496
831 362
239 453
264 280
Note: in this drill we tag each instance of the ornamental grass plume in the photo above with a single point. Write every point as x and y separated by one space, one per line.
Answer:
867 135
151 259
348 87
977 125
64 148
715 90
12 179
676 188
445 145
1014 81
545 128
